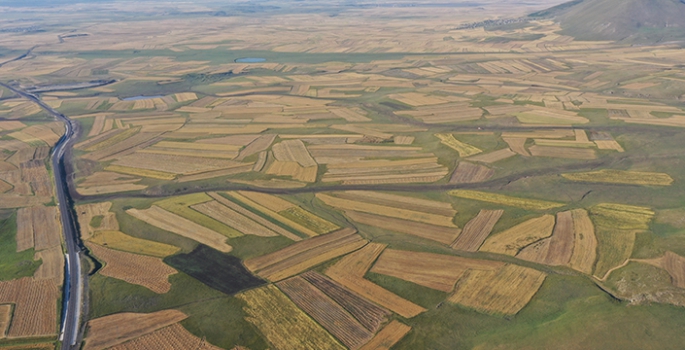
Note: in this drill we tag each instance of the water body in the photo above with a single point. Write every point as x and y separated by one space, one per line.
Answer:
250 60
141 97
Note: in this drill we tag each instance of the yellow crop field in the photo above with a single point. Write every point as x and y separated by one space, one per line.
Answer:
196 146
273 203
615 229
505 291
168 221
111 330
621 216
392 333
383 210
108 142
170 337
524 203
417 99
309 220
464 149
121 241
436 271
512 240
231 218
622 177
401 202
182 206
283 324
350 271
251 198
145 271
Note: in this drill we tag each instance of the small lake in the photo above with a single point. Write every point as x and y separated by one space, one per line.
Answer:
250 60
141 97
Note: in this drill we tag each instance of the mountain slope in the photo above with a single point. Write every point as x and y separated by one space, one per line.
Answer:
627 20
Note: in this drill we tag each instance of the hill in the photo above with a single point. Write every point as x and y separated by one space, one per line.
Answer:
624 20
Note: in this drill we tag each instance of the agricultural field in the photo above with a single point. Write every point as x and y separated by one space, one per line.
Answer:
326 175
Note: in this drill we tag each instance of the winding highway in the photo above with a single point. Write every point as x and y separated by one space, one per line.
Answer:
73 281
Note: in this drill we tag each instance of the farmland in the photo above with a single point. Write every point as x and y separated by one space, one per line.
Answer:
340 175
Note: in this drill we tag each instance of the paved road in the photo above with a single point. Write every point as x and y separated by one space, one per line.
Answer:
73 282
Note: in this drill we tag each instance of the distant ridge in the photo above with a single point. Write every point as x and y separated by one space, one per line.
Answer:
639 21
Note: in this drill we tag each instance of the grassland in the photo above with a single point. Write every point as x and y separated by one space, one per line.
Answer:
495 175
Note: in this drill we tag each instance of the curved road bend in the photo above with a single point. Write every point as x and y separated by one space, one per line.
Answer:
73 283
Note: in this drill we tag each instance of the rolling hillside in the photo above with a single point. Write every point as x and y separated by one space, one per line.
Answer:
625 20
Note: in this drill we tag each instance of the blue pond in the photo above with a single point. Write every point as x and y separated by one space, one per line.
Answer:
141 97
250 60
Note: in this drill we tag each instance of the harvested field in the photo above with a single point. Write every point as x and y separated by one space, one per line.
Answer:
293 151
94 190
536 252
477 230
301 256
271 202
524 203
517 144
239 168
141 172
42 223
102 178
120 241
196 146
86 213
52 267
293 170
401 202
5 318
370 208
561 241
251 198
622 177
512 240
145 271
170 337
674 264
35 306
185 96
10 201
493 157
329 314
261 144
322 153
350 271
464 149
388 336
610 145
98 125
108 139
231 218
380 170
562 152
505 291
108 331
43 133
471 173
584 242
222 272
254 217
367 313
444 235
436 271
417 99
403 140
282 323
168 221
173 164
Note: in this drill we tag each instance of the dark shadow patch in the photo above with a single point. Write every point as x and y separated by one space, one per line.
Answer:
219 271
